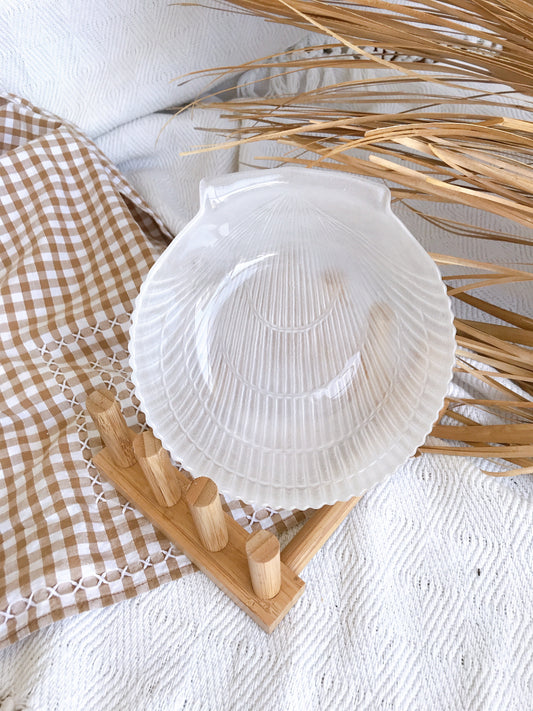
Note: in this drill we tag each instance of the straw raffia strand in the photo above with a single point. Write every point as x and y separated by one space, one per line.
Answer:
453 144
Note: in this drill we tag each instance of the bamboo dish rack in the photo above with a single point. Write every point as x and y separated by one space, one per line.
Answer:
250 568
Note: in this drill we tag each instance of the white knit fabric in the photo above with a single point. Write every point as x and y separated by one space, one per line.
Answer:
102 63
148 152
421 600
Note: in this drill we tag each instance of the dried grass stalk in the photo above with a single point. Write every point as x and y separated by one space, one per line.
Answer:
454 145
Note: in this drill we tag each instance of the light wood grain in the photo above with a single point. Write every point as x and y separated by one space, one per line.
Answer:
109 420
155 462
262 550
314 533
506 333
227 568
518 433
204 504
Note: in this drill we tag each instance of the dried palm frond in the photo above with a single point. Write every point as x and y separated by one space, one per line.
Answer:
456 130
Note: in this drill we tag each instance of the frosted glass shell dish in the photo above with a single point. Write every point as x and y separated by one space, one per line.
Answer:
294 342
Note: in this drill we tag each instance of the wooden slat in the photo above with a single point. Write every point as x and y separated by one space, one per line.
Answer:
504 451
314 533
505 333
502 434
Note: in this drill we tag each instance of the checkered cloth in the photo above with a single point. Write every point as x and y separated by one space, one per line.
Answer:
76 243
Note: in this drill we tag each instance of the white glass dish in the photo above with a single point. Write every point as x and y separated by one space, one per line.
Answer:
294 342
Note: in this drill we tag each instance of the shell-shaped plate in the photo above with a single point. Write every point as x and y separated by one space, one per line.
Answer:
294 342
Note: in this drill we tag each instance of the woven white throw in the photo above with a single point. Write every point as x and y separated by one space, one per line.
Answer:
100 64
421 600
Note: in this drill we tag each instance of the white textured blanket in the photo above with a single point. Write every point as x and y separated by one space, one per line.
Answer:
422 600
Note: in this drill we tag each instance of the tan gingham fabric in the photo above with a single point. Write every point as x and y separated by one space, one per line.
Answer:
76 242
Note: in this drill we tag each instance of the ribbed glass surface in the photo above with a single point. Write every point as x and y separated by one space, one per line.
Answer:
294 342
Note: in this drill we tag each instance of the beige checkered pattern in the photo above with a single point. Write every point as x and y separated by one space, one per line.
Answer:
76 242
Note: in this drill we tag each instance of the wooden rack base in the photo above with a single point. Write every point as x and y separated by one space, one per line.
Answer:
136 464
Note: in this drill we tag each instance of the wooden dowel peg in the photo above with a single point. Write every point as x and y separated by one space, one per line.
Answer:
206 510
109 420
155 462
262 550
